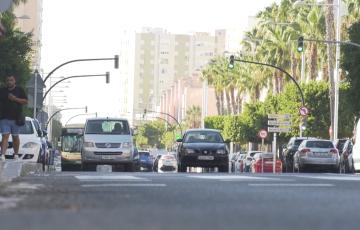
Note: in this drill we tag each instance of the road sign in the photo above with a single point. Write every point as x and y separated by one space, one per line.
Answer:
303 111
279 116
263 134
279 123
279 129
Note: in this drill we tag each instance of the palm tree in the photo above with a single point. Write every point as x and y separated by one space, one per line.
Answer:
193 117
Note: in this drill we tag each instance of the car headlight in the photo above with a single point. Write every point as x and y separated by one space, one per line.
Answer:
30 145
88 144
189 151
220 151
126 144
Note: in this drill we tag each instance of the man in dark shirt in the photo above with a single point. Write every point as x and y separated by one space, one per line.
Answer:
12 98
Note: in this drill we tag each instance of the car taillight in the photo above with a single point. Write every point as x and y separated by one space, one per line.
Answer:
303 152
334 151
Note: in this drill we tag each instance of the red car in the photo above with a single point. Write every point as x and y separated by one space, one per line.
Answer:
263 162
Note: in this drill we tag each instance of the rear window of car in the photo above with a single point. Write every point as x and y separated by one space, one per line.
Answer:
319 144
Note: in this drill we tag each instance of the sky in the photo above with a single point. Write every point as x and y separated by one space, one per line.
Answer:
77 29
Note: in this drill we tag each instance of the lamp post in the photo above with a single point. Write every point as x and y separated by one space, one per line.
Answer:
145 111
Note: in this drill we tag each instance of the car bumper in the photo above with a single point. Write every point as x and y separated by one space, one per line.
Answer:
319 162
196 161
108 157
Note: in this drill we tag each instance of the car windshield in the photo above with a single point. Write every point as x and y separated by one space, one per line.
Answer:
27 128
71 143
319 144
115 127
203 136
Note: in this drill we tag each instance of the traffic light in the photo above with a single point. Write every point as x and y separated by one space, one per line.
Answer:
86 109
300 47
107 75
231 63
116 61
144 113
303 123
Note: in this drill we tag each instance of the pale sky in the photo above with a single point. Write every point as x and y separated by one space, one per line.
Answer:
77 29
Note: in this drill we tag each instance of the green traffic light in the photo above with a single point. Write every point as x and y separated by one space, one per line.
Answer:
231 63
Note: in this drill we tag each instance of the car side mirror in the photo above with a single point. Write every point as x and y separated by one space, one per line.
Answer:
179 140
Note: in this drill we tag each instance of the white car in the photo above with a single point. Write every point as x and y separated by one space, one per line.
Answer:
356 149
167 163
31 142
240 162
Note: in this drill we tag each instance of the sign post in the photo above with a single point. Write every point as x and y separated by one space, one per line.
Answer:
262 134
278 123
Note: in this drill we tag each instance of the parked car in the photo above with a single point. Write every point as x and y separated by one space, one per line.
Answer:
232 159
248 160
203 148
263 162
240 163
167 163
346 160
316 153
289 151
146 161
32 143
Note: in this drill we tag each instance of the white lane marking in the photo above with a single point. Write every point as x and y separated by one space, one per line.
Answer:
109 177
122 185
9 202
291 185
234 178
340 178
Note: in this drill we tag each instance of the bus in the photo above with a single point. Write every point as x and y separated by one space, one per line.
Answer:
71 138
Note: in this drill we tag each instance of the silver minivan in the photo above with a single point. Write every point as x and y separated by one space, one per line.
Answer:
107 141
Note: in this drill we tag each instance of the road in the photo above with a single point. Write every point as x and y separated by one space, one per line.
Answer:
92 200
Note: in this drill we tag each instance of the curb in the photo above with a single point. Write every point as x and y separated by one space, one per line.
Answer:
13 169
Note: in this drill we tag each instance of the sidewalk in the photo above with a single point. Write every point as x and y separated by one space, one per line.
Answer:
9 170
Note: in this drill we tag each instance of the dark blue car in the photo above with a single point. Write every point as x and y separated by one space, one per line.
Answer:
146 161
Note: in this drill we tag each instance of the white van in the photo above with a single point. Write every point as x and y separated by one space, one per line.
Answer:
31 144
107 141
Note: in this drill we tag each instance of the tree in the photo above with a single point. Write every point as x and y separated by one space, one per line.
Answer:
350 64
15 51
193 117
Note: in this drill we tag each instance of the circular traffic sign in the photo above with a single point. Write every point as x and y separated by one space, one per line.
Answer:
304 111
263 133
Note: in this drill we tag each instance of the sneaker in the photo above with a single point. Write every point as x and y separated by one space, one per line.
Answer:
16 157
2 157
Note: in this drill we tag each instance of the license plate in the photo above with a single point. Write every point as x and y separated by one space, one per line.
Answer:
107 157
207 158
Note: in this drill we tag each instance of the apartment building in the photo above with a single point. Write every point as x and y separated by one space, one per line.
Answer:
29 19
161 71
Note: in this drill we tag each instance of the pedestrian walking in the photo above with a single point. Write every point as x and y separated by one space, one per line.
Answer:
12 98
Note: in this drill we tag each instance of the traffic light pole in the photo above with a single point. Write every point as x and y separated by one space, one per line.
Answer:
232 59
48 121
115 58
145 111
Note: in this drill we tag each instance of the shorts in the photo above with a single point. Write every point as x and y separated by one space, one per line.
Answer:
9 126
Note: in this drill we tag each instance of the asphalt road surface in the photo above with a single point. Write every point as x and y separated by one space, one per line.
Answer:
92 200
